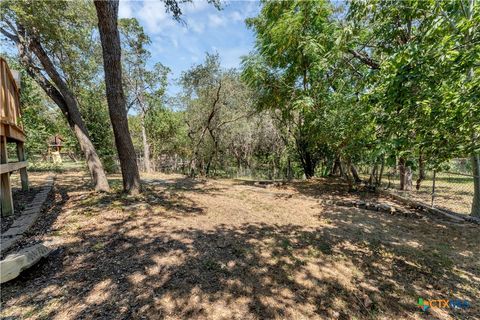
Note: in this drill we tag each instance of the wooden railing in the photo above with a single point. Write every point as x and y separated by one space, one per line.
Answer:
11 131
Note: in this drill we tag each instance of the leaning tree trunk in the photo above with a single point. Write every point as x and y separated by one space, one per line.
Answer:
94 164
107 13
64 99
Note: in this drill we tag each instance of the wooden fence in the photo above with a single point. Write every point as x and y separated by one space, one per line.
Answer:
11 131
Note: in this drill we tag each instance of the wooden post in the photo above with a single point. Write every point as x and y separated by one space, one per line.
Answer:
5 188
23 171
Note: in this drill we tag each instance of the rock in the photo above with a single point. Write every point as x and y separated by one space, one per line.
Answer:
384 207
15 263
370 206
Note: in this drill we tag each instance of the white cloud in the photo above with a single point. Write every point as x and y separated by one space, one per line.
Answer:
125 10
153 16
195 6
236 16
215 20
174 42
195 26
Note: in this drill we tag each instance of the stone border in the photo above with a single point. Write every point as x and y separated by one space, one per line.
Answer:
416 204
28 217
15 263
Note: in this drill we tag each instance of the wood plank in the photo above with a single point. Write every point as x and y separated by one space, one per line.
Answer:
11 131
2 93
6 201
16 133
12 166
23 171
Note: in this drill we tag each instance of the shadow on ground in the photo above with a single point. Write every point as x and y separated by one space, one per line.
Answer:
358 264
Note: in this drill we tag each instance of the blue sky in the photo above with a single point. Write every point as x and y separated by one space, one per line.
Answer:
205 29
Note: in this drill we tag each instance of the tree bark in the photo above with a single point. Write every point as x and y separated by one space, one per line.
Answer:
59 92
421 171
476 186
107 13
355 175
306 158
335 168
380 176
402 172
408 178
373 174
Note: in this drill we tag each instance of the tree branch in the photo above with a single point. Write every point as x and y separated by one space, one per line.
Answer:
9 35
365 59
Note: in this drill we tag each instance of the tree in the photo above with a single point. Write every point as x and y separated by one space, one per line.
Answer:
107 13
424 85
214 100
46 36
290 67
145 88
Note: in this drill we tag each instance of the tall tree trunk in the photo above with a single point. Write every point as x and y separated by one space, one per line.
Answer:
421 171
373 173
347 175
408 178
107 13
306 158
146 146
402 172
476 185
59 92
336 167
308 164
94 164
380 176
354 171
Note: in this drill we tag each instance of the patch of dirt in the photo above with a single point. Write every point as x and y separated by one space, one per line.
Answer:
229 249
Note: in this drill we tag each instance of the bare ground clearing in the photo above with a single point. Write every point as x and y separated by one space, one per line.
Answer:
227 249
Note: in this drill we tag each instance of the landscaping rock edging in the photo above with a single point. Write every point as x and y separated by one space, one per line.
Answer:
27 218
15 263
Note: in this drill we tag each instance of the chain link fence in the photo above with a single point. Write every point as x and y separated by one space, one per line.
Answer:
450 191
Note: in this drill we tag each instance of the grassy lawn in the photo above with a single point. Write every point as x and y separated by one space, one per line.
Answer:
228 249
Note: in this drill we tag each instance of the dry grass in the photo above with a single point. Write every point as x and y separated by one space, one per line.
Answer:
227 249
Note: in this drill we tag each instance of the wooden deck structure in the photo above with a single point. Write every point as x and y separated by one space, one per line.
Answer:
11 131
